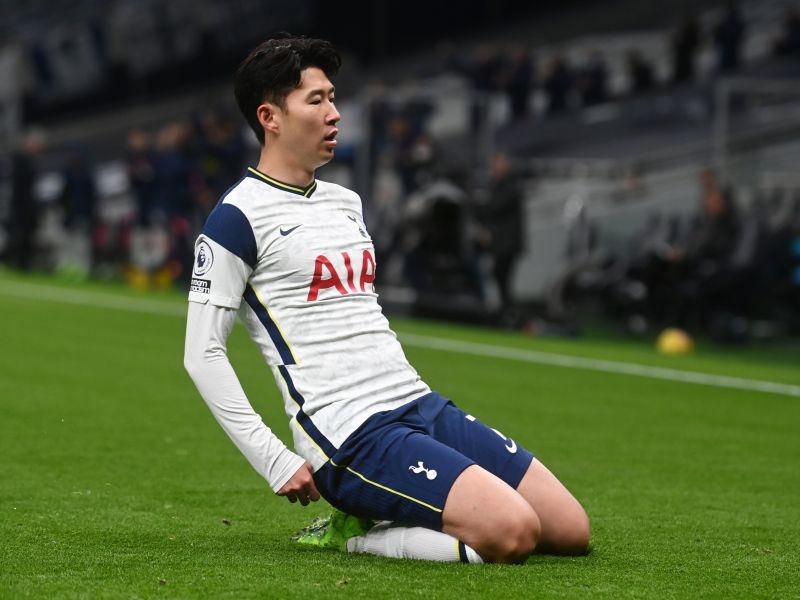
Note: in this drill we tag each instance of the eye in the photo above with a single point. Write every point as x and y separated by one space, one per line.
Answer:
332 100
316 102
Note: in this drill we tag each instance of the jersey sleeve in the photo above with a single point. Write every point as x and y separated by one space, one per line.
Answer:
206 360
225 255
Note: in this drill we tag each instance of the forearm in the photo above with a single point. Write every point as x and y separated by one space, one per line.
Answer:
206 360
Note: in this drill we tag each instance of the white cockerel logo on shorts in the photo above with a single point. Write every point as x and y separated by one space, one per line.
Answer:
429 473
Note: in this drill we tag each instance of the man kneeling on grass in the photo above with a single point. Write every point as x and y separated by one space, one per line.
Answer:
410 474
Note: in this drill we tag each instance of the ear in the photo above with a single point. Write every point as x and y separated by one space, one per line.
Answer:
269 116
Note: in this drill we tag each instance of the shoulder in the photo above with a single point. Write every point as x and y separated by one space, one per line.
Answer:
249 195
229 224
338 192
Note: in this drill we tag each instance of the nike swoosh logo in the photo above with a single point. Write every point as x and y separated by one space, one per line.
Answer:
511 448
290 230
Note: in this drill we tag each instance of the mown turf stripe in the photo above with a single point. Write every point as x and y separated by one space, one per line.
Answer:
30 291
596 364
96 299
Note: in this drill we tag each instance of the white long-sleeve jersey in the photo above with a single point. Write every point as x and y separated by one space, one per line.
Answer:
299 266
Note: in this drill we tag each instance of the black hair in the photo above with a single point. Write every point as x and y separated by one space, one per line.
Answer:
273 69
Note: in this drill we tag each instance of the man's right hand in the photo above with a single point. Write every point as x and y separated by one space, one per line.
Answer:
301 486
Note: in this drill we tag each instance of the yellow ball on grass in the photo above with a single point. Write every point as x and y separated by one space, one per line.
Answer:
674 341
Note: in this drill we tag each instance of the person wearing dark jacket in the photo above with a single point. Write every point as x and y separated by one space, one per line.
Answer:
685 43
729 37
504 218
24 217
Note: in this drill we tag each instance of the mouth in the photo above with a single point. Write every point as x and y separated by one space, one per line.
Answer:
330 139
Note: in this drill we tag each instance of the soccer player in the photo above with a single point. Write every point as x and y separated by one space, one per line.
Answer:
292 255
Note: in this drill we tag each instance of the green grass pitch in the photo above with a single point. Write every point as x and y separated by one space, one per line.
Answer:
115 482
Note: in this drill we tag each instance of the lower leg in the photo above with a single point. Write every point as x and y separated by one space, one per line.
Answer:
398 541
493 522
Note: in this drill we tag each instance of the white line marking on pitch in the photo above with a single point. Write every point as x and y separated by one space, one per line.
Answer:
30 291
34 291
596 364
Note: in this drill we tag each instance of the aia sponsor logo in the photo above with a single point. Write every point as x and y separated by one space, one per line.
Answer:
326 275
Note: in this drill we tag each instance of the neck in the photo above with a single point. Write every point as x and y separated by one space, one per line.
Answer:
283 168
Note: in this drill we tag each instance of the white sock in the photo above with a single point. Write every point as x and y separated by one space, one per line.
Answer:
398 541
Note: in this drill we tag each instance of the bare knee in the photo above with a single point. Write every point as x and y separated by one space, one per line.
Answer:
576 539
489 516
565 525
571 537
514 539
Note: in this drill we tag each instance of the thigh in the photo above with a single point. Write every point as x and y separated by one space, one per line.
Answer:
395 473
564 523
488 447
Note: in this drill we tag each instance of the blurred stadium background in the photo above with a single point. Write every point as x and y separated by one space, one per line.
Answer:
613 169
521 164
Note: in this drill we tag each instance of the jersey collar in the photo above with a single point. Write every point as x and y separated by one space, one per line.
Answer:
301 191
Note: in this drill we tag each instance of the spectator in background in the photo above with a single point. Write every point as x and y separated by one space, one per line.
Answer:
168 181
519 82
729 38
223 150
485 74
685 42
232 150
141 174
716 227
788 42
400 147
417 110
558 85
593 80
172 191
79 195
640 72
179 181
79 202
221 158
504 219
24 214
423 159
380 114
793 295
149 239
655 258
710 245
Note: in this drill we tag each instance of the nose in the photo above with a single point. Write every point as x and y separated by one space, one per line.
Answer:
333 116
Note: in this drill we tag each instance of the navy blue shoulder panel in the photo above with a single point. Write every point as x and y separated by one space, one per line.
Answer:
228 226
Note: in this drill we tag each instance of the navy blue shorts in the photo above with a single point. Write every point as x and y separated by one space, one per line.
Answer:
399 465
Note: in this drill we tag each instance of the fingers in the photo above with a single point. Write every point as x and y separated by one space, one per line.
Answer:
312 491
301 487
303 498
311 487
306 495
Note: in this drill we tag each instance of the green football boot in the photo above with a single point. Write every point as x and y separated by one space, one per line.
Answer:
333 531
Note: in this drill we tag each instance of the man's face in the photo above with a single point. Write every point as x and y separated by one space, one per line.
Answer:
308 124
